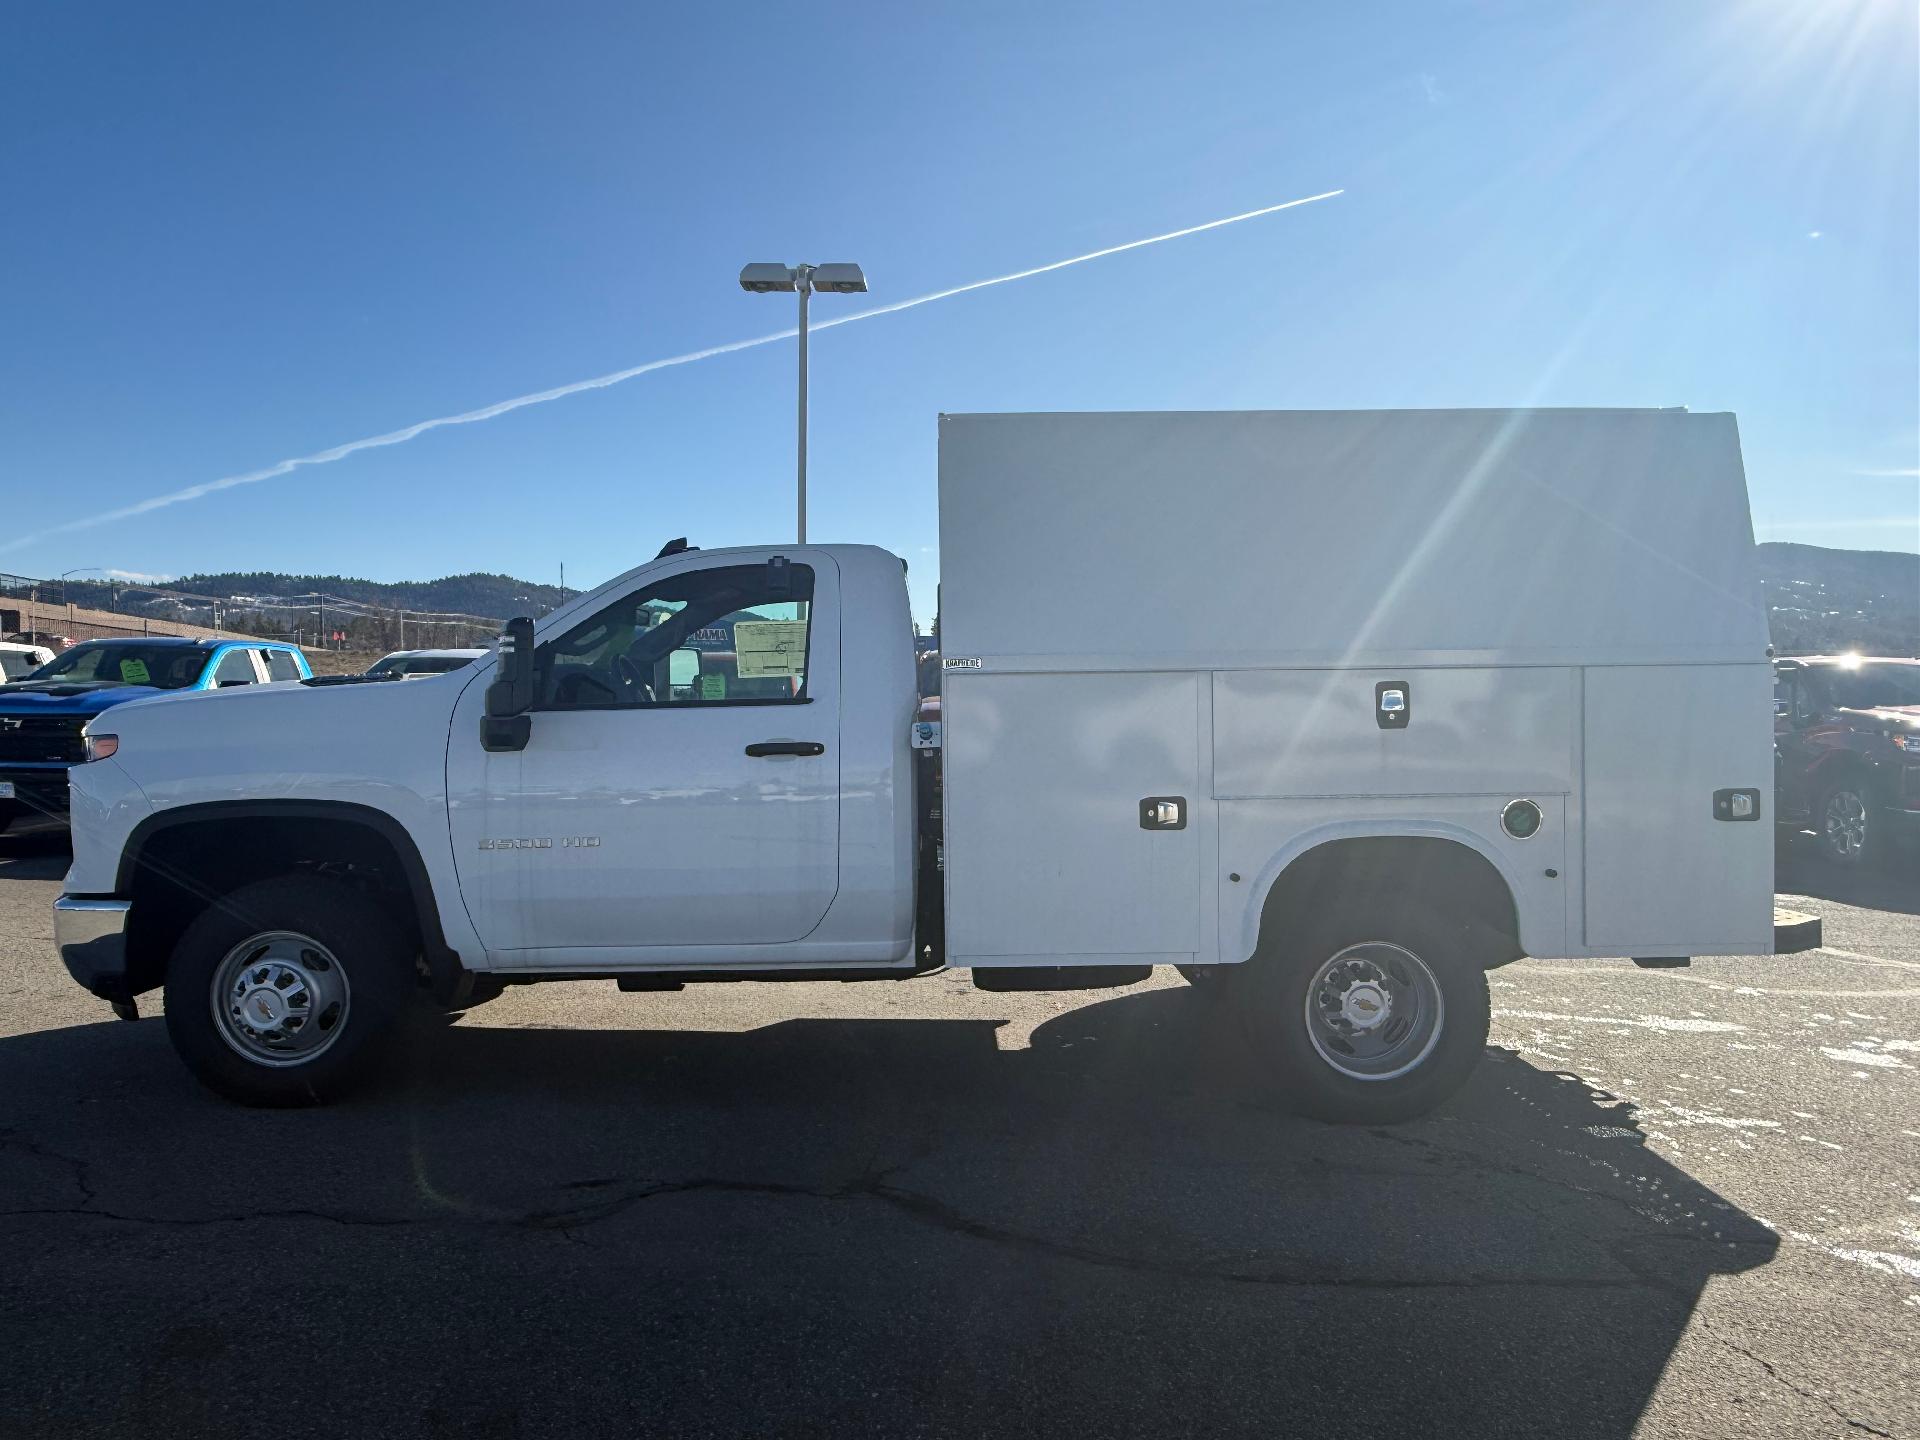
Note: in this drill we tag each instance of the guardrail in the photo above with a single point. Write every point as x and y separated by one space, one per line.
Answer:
85 609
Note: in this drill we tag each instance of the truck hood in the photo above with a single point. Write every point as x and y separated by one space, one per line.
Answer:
285 740
79 697
1898 714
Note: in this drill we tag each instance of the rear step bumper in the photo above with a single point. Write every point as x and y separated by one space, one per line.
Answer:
1005 978
1794 931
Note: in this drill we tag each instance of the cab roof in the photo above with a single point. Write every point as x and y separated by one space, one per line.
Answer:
181 642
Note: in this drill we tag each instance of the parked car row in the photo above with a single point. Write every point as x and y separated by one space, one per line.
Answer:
43 713
46 699
1846 740
19 659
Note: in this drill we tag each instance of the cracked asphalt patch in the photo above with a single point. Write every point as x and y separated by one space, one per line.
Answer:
1661 1208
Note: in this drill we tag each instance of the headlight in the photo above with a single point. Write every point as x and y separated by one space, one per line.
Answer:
99 747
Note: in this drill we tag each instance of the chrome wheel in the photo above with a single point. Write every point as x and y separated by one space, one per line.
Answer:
1843 825
279 998
1374 1011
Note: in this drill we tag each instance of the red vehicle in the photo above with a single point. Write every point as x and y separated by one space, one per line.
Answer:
1846 747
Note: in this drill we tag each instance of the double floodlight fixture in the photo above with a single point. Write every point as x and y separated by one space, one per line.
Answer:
841 279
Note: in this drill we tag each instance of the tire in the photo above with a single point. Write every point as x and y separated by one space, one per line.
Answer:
324 971
1321 989
1844 825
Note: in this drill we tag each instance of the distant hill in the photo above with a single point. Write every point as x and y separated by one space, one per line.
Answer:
1820 601
498 597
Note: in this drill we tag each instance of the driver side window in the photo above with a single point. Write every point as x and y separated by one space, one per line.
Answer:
733 635
1806 705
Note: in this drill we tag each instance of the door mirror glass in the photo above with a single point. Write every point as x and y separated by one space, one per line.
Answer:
511 692
506 724
683 670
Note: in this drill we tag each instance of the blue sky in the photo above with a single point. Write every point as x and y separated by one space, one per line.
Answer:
239 234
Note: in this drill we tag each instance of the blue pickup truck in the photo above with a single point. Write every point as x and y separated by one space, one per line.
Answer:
41 716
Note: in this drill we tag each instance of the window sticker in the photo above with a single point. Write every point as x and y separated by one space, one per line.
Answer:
713 687
134 672
768 648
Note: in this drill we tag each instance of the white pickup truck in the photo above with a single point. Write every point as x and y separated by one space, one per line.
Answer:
1332 710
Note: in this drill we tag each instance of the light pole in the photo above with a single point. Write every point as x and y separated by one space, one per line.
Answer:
77 570
841 279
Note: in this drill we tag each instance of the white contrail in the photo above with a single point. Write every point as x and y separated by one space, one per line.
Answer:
601 382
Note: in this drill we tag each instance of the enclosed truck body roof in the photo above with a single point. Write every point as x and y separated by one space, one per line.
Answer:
1225 540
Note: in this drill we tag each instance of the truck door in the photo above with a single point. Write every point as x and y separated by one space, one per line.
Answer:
681 783
1667 871
1076 815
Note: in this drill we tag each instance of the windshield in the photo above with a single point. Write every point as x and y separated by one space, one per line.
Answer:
168 667
16 664
1872 686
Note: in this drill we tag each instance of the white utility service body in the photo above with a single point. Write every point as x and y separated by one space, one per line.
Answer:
1203 605
1189 661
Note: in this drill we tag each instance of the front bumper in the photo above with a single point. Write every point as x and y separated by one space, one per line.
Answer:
91 933
38 790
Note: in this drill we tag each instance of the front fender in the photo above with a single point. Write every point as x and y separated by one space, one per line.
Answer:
107 805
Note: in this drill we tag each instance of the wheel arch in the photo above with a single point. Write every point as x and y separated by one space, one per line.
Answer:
164 859
1451 863
1837 768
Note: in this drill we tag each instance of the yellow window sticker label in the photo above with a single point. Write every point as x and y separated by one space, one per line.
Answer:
134 672
768 648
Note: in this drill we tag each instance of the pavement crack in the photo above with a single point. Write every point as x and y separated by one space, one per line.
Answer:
78 1168
240 1217
922 1208
935 1212
1788 1383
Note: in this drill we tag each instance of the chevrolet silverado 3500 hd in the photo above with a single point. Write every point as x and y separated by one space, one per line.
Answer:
1332 710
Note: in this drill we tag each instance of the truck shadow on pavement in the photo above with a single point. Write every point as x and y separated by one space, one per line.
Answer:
869 1226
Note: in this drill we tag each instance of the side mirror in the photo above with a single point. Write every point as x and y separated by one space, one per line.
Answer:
506 724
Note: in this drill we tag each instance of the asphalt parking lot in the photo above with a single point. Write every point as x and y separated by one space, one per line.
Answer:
1680 1203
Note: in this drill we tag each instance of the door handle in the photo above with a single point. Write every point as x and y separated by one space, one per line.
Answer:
785 747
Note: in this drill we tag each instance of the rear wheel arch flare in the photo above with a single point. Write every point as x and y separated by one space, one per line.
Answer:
1449 871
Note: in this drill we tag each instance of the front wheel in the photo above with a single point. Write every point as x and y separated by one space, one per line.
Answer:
282 992
1373 1015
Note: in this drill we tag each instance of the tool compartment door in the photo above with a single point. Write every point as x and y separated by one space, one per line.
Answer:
1048 858
1664 876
